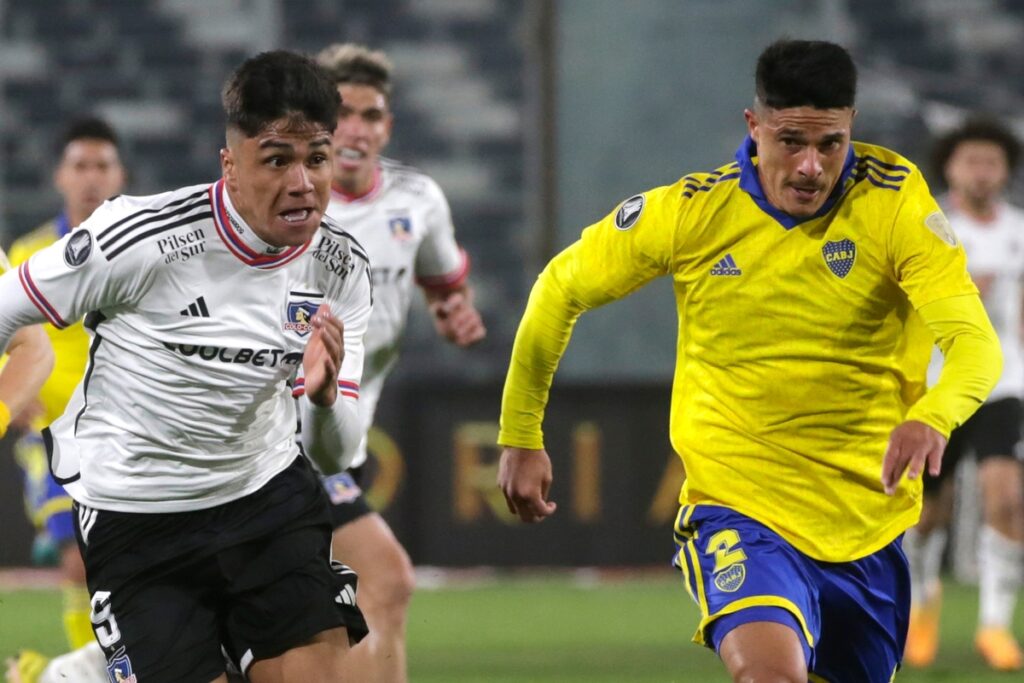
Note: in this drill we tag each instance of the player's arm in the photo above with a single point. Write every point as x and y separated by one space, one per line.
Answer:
30 361
332 368
931 268
442 271
610 261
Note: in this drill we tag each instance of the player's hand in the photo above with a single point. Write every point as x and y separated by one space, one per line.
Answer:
456 319
913 446
524 476
321 361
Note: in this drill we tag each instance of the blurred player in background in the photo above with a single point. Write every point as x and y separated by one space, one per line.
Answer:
402 219
977 160
204 531
89 171
808 275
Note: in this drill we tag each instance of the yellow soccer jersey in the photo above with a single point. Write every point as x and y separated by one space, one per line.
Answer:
799 349
70 345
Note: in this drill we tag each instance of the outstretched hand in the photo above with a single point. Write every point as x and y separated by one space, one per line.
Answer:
524 476
322 358
456 319
913 446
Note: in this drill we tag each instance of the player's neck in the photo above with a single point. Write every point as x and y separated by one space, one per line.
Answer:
356 187
75 216
982 210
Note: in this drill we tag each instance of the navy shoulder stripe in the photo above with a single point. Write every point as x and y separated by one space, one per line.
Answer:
885 165
693 185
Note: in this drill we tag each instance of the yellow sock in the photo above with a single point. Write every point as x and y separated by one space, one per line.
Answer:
77 625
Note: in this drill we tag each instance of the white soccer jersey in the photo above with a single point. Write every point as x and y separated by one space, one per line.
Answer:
405 225
197 326
995 259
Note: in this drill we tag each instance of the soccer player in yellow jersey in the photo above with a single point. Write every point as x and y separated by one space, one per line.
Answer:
812 276
89 171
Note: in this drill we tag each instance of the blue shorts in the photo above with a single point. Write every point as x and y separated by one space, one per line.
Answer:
47 505
851 617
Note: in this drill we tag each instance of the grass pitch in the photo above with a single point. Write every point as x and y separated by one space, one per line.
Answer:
552 630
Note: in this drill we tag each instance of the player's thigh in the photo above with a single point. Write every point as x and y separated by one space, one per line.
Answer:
321 660
764 650
865 612
1002 488
739 572
386 576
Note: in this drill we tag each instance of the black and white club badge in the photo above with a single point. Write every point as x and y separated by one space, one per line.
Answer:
629 213
78 249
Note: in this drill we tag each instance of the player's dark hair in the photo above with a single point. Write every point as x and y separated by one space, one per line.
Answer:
273 85
977 128
86 128
806 73
357 64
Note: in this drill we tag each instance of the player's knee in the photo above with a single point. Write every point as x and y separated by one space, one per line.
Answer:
399 583
769 673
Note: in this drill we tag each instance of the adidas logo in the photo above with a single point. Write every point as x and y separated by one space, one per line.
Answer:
727 266
196 309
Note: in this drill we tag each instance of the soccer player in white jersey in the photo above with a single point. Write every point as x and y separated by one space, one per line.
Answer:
200 524
977 160
402 219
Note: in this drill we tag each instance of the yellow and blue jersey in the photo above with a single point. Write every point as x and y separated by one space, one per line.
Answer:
70 344
799 349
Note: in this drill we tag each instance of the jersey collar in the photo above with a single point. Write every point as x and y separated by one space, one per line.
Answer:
751 184
240 239
340 195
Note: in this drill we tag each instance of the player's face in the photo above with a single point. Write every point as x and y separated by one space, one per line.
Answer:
978 170
801 151
89 173
364 128
280 179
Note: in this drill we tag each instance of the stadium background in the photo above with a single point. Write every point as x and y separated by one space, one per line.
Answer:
536 117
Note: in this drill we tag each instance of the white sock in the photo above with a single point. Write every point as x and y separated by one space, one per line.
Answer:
924 555
1000 565
84 665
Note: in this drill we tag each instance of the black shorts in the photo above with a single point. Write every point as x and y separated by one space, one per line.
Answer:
348 502
993 431
253 575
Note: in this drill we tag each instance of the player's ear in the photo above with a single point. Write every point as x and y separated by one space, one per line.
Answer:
751 117
227 165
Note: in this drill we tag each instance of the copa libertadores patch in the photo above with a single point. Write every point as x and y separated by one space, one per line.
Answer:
939 224
629 213
78 248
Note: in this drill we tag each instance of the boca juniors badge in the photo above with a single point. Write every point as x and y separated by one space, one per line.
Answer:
299 314
840 256
401 227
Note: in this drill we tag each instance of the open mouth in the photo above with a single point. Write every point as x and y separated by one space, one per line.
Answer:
350 154
295 215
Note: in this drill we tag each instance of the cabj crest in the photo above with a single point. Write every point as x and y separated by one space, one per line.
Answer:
840 256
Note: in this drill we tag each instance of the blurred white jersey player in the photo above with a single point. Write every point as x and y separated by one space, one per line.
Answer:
404 223
976 161
401 218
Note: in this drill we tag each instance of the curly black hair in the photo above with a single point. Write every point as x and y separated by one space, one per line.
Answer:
977 128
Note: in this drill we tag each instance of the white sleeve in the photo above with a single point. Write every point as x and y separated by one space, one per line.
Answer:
66 280
440 263
330 436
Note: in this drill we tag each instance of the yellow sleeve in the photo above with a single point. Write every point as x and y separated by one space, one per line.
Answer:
928 261
973 362
613 258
